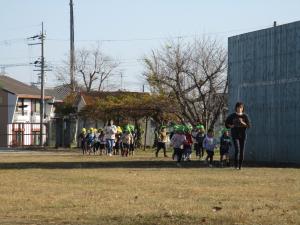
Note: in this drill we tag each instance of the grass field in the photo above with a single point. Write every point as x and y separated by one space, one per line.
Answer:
68 188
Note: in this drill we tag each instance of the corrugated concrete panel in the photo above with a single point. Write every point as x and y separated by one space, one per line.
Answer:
264 73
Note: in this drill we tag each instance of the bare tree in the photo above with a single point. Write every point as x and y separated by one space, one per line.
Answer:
193 74
92 69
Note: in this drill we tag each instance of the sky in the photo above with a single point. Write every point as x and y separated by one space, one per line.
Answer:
126 31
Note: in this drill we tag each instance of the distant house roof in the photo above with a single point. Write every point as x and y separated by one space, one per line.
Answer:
90 97
19 88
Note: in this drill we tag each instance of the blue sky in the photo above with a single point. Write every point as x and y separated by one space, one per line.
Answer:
134 27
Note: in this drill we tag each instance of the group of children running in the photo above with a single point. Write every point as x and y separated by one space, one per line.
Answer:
115 140
184 138
111 140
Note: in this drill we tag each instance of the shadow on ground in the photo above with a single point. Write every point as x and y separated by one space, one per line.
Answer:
126 164
102 164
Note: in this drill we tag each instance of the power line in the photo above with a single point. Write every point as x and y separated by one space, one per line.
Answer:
156 38
15 40
8 42
21 28
4 66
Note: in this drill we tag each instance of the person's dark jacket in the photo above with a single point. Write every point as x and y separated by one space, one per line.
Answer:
225 143
238 130
200 138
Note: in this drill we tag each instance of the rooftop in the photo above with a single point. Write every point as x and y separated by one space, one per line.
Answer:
19 88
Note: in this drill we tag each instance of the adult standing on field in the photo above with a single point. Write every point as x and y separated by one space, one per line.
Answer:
161 141
238 122
110 134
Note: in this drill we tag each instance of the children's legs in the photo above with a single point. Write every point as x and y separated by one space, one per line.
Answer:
125 149
110 143
196 147
117 148
227 159
131 149
178 153
94 148
201 151
174 153
211 158
184 153
122 149
83 147
190 153
159 146
207 156
165 149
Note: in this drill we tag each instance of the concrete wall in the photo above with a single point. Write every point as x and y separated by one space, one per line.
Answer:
264 73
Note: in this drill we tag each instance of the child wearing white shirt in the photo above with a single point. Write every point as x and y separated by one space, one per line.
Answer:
209 144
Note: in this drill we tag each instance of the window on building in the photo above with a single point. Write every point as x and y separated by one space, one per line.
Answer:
20 106
35 105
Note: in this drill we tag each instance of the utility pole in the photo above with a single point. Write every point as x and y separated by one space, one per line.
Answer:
121 74
146 130
72 48
41 65
42 86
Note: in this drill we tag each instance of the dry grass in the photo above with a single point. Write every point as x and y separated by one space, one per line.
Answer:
71 189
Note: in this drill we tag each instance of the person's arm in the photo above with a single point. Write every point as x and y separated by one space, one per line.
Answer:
229 121
244 121
204 143
184 140
172 140
114 129
247 121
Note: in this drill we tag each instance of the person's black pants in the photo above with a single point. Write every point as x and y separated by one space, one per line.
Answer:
83 146
96 146
197 149
161 145
210 156
178 152
239 147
